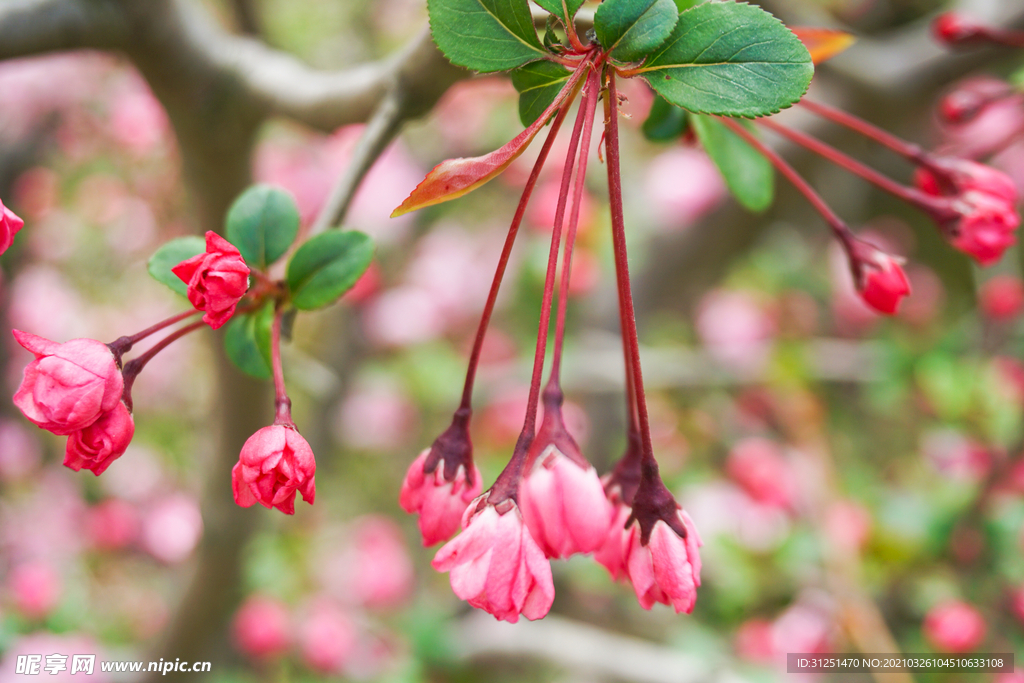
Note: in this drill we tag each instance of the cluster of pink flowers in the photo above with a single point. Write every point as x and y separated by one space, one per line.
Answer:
550 504
81 389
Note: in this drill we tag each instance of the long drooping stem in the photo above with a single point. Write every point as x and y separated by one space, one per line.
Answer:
506 251
934 205
868 130
123 345
589 108
507 484
282 404
628 314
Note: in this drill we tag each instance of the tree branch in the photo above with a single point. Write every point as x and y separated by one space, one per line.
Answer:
30 27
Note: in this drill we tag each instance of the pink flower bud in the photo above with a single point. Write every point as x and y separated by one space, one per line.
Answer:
10 224
986 227
563 504
970 97
440 503
667 568
216 279
882 282
102 442
327 638
1002 297
951 28
954 626
957 176
759 468
68 386
496 565
35 589
275 463
260 627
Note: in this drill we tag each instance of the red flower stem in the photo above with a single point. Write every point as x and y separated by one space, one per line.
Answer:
506 486
282 404
628 313
854 123
123 345
570 30
588 108
1006 37
133 367
935 206
506 251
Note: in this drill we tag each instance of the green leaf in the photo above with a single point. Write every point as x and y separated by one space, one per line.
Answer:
665 122
683 5
538 84
263 223
559 7
247 341
171 254
747 173
630 29
485 35
326 267
730 59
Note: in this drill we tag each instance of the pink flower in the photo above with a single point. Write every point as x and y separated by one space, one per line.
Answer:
10 224
760 469
275 463
216 279
496 565
112 524
327 638
440 503
951 28
667 568
882 283
35 588
68 386
563 504
380 572
970 97
954 626
102 442
986 228
1002 297
612 553
260 627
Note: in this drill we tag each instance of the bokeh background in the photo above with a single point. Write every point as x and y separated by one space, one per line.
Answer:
858 480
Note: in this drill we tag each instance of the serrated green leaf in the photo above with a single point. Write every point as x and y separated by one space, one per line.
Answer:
538 83
485 35
630 29
665 122
730 59
263 223
748 175
561 7
326 267
247 341
551 41
171 254
683 5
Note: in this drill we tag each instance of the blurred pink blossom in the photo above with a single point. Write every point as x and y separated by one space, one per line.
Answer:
462 114
954 626
735 328
19 451
754 641
724 509
955 456
137 119
378 417
171 528
46 524
1001 297
261 627
847 525
543 207
403 316
374 569
137 477
760 468
327 638
35 589
927 297
43 301
112 524
680 186
804 627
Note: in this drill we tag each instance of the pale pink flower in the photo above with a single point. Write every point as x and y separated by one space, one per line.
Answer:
68 386
439 502
216 279
275 462
563 503
612 553
10 224
112 524
327 638
35 589
954 626
667 568
172 528
759 467
496 565
101 443
260 628
380 572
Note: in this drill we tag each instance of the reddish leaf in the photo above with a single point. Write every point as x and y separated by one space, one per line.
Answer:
823 43
455 177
